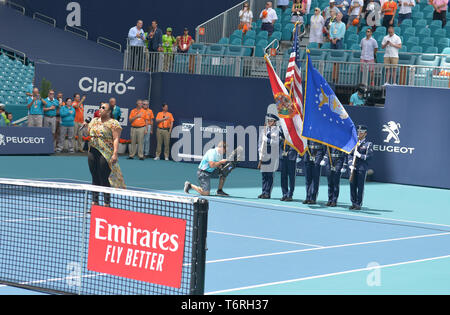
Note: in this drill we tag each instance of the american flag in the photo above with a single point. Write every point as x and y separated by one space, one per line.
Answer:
294 74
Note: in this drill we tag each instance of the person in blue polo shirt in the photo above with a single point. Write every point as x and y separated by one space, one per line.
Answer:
67 113
35 109
209 168
50 112
357 98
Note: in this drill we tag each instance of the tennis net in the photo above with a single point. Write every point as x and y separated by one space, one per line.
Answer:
53 239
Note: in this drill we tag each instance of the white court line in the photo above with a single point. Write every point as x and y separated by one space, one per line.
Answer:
324 247
326 275
264 238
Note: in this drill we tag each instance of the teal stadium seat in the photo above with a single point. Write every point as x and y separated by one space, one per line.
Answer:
420 24
236 41
417 15
423 33
435 25
446 51
424 74
405 24
261 44
224 41
438 34
426 42
334 55
416 49
430 50
286 33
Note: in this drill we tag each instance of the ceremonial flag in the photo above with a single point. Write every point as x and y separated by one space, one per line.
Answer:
293 79
289 111
325 119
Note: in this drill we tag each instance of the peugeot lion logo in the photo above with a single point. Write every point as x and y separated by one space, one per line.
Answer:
393 130
2 140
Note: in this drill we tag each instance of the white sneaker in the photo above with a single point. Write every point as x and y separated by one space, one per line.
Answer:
166 159
156 158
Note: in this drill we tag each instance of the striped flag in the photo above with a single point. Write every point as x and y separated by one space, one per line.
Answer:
289 112
294 74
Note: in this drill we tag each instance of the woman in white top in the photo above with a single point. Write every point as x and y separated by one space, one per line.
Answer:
317 24
245 17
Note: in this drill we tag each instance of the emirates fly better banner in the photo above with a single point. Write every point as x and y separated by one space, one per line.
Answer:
137 246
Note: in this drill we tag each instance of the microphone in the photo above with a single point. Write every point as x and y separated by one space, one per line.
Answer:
87 121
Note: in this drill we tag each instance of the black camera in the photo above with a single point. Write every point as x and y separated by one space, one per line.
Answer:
232 161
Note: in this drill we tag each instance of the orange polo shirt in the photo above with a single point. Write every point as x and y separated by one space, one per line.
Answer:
167 123
79 112
390 7
141 121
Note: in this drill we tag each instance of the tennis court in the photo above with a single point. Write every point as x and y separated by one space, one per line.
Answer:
397 244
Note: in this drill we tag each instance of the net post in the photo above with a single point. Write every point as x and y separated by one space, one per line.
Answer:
199 233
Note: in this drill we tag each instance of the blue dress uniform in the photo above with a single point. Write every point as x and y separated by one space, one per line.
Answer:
314 156
335 166
288 157
268 157
363 155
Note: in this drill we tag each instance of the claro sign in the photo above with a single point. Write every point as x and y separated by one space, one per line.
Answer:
96 85
137 246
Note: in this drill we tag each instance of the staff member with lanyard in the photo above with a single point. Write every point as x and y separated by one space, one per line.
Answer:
138 119
209 168
164 122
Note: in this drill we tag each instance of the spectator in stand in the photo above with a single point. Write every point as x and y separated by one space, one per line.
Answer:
184 41
169 45
405 10
327 11
298 10
164 122
337 32
245 18
67 113
354 12
283 4
136 40
147 138
50 113
326 28
369 48
392 44
78 104
138 120
269 17
35 109
440 11
343 5
154 38
316 28
136 34
389 9
3 117
9 117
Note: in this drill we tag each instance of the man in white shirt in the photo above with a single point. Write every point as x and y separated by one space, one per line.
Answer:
405 10
136 35
269 17
369 48
392 44
136 41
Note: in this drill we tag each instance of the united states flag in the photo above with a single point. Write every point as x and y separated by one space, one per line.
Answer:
293 82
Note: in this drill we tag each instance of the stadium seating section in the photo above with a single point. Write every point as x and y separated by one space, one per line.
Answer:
15 80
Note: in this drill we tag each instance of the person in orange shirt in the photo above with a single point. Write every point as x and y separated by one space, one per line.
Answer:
389 9
164 122
138 119
147 137
78 104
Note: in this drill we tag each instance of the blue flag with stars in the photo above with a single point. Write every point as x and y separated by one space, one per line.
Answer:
325 119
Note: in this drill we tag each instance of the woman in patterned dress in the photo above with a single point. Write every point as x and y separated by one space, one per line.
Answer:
104 132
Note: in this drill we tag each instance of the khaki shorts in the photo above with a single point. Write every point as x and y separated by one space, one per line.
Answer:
391 61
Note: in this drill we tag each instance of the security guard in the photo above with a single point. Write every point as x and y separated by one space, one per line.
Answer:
358 164
288 158
336 163
268 146
313 157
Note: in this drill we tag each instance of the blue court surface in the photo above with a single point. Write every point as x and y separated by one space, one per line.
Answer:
397 244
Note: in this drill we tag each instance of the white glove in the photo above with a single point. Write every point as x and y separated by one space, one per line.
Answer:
358 155
343 170
322 163
351 168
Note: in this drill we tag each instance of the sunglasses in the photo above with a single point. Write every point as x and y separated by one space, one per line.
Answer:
103 107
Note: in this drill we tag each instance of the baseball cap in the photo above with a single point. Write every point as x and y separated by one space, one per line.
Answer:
169 29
